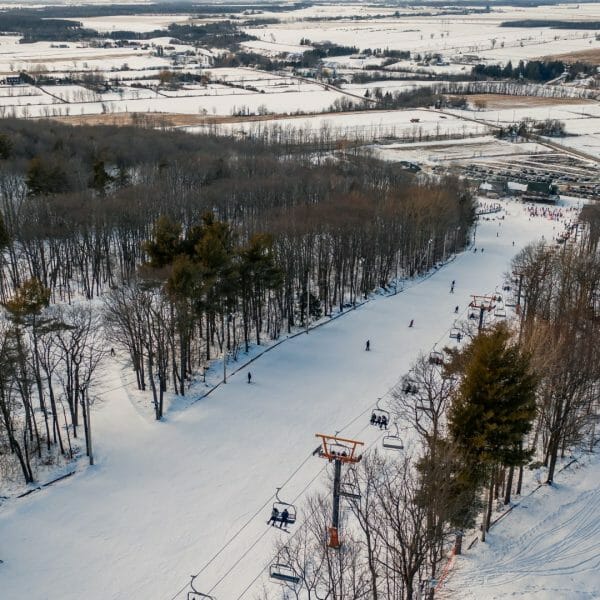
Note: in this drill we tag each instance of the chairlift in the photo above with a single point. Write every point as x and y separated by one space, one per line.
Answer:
195 594
280 506
500 313
283 573
455 333
378 415
409 386
350 488
436 358
393 442
338 449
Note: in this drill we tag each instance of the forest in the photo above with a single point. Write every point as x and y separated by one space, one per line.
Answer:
184 248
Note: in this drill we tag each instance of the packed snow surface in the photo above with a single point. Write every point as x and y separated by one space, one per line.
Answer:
548 547
193 492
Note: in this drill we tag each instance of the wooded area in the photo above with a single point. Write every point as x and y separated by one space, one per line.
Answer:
198 246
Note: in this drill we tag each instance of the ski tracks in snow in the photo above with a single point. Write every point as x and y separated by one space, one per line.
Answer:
543 547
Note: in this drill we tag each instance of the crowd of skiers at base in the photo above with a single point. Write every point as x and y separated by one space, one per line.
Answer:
379 421
282 517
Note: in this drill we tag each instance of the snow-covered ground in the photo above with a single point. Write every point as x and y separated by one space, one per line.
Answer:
412 124
193 493
451 35
462 150
547 547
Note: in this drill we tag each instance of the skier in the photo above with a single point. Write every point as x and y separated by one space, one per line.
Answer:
378 421
482 249
458 337
274 517
249 377
373 418
456 310
452 289
284 518
368 346
383 422
513 243
412 322
453 282
112 351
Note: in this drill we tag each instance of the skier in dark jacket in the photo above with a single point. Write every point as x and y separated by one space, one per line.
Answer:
284 518
368 345
249 377
274 517
412 322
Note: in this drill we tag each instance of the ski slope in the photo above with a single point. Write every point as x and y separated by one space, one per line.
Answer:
193 493
547 547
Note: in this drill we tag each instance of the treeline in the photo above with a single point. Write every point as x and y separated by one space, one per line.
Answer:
534 70
554 24
34 28
200 246
477 416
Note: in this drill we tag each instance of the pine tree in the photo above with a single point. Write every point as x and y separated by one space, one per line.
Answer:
495 405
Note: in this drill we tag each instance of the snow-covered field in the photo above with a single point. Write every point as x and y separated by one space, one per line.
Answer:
452 35
413 124
433 153
193 493
582 121
548 547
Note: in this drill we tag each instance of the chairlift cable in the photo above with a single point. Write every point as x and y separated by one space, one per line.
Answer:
374 444
266 503
235 535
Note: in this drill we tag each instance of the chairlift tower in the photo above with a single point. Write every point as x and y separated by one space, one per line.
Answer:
483 303
338 450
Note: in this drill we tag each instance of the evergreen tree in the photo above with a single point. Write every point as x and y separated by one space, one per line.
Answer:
165 244
495 404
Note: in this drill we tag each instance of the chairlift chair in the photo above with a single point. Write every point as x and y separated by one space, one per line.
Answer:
349 488
409 386
337 449
455 333
393 442
379 413
500 313
280 505
436 358
283 573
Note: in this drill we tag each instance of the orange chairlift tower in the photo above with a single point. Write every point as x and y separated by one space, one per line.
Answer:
483 303
339 450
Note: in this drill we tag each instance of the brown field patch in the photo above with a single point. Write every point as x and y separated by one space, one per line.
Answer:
499 101
592 56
